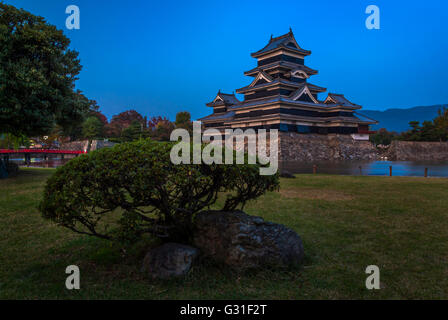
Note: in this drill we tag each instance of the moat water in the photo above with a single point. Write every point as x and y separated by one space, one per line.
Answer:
371 168
41 163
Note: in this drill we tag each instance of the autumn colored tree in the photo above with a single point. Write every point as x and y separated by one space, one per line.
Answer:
100 117
122 121
152 122
163 130
126 118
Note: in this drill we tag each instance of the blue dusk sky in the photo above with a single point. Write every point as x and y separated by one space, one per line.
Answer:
161 57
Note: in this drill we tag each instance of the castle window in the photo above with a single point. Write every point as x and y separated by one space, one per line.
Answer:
303 129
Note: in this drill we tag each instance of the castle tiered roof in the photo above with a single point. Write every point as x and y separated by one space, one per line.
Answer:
280 65
339 99
223 99
285 42
280 96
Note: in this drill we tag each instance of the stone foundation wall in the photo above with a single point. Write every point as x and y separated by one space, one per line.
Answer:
337 147
265 149
313 147
415 150
79 145
100 144
82 145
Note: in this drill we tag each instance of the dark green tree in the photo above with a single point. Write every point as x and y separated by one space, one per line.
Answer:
415 125
429 132
436 130
92 128
441 123
134 132
414 134
37 76
383 137
183 121
132 189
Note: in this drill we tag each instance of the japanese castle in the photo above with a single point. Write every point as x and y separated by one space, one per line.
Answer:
280 97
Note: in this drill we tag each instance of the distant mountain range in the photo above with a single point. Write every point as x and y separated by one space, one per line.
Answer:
398 119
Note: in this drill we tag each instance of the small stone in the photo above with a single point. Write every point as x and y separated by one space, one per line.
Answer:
287 174
169 260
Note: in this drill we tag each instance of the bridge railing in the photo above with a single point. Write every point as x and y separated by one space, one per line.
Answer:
44 151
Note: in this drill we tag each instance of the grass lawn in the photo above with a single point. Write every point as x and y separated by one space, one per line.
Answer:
346 223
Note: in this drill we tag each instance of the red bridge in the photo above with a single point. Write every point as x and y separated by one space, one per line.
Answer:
45 151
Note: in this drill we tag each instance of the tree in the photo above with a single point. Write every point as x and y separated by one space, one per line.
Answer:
441 123
122 121
10 141
37 76
50 140
160 128
414 134
92 128
100 117
134 132
163 130
435 130
383 137
183 120
429 132
152 123
152 194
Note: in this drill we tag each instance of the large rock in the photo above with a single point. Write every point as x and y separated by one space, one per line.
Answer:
169 260
246 242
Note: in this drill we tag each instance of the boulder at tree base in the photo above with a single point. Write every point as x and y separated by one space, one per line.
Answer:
246 242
